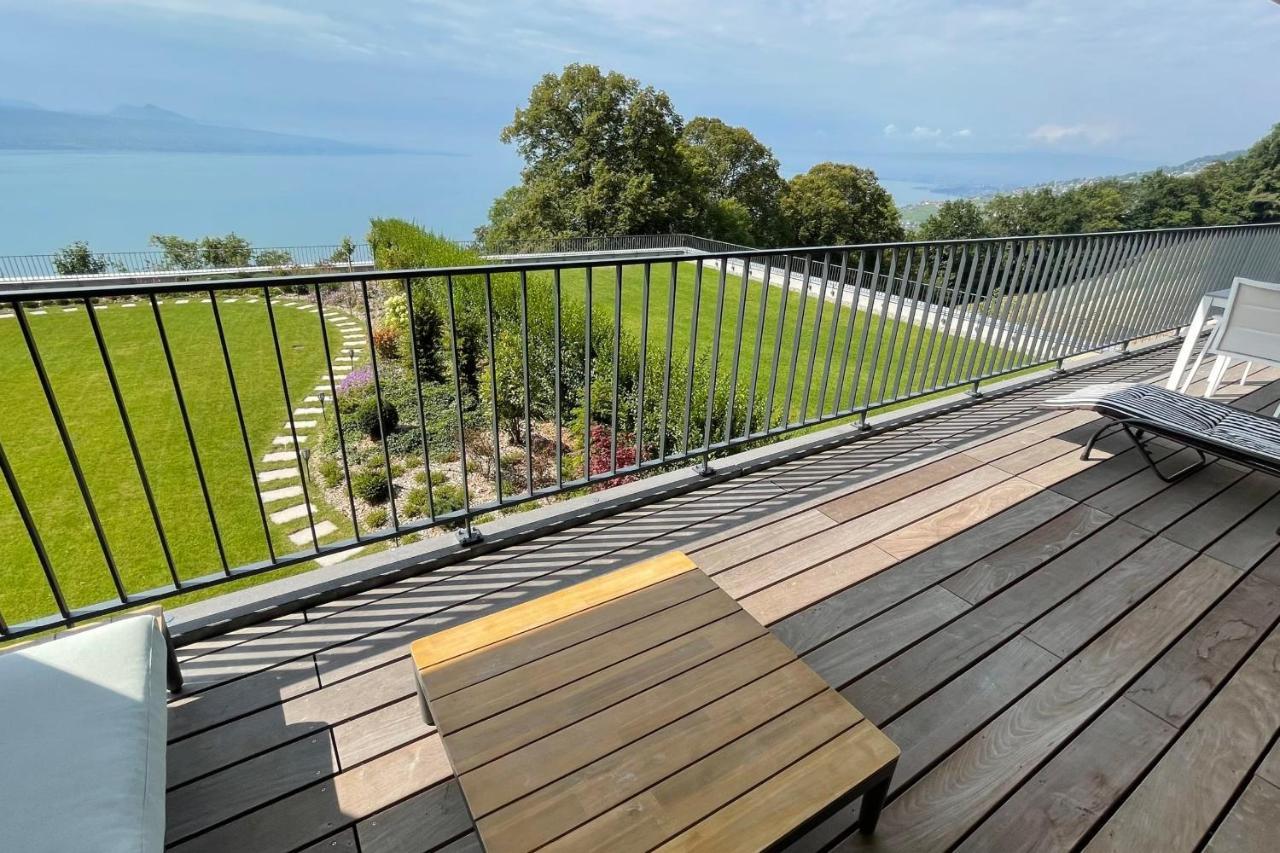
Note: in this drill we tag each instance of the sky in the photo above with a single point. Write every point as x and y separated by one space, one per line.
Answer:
896 85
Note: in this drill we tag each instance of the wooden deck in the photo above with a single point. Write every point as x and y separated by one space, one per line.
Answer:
1069 654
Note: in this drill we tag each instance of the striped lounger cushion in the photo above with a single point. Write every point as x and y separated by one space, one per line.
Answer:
1200 421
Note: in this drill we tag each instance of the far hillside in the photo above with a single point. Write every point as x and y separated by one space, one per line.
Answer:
1237 187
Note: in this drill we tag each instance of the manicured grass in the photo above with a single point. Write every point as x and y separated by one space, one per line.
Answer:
788 356
912 359
67 346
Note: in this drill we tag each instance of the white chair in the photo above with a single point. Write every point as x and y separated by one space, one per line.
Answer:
1249 330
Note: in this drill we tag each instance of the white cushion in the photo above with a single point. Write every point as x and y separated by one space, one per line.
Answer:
82 741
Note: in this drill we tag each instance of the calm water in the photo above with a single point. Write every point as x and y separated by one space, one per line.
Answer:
115 201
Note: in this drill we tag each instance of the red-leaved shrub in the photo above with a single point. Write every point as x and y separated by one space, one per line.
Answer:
624 456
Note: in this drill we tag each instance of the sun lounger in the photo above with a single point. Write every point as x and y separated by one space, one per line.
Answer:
1205 426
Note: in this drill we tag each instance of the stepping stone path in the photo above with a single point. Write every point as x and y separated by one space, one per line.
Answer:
285 480
293 513
303 536
281 493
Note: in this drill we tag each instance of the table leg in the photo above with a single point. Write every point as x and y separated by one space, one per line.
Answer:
872 803
1189 343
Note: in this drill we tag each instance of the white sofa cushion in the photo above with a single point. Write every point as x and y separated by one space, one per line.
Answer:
82 744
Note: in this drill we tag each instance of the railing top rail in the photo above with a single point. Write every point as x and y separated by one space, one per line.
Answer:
83 287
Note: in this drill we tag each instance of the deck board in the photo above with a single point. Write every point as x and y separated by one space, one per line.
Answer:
1038 633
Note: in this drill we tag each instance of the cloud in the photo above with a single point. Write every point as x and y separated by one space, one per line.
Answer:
963 133
1052 134
890 129
302 24
920 132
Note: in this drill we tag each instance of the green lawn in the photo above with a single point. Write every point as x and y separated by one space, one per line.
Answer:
929 351
70 354
68 348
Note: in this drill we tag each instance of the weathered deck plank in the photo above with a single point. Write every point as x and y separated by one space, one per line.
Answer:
1050 610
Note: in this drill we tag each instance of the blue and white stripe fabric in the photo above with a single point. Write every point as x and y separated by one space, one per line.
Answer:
1196 421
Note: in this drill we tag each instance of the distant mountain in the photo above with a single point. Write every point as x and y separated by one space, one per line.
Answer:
27 127
150 112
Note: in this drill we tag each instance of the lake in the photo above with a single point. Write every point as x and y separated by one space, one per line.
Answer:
115 201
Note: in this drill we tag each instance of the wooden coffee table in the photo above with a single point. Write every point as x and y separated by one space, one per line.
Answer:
642 709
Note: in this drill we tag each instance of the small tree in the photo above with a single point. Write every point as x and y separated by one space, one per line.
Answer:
276 258
344 253
78 259
230 250
179 254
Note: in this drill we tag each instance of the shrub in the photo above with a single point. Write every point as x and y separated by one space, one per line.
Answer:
448 498
78 259
276 258
356 383
329 470
370 485
624 455
417 504
376 518
386 343
366 419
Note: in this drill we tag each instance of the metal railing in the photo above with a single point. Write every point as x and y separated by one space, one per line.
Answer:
27 268
621 244
492 386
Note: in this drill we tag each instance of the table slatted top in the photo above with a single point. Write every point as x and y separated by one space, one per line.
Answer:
640 709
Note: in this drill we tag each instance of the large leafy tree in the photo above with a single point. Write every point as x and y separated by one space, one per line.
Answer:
737 176
835 203
601 157
959 219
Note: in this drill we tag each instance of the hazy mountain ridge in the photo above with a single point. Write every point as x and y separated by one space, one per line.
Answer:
27 127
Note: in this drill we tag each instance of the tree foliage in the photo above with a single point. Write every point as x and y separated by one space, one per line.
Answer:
737 177
960 219
600 157
1240 191
228 250
605 155
78 259
836 203
274 258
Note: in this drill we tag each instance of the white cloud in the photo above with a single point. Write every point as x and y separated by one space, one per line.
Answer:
890 129
303 24
963 133
1052 134
920 132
